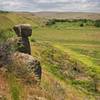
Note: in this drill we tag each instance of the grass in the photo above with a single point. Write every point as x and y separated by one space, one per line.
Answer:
15 87
55 61
87 36
71 40
82 58
92 51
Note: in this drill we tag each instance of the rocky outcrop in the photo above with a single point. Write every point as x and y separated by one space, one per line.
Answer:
15 56
22 65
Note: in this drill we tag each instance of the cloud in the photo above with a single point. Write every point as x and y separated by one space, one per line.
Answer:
51 5
7 5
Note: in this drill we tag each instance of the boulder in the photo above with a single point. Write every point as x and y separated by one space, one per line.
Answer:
26 67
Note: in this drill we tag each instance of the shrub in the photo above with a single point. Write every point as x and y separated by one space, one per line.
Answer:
3 11
33 40
5 34
97 23
81 25
51 22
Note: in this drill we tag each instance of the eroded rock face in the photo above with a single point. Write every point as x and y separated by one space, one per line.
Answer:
23 31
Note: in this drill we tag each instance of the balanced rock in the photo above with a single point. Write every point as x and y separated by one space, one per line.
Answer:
23 31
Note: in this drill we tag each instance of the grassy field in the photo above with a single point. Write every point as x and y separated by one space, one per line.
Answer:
69 54
82 44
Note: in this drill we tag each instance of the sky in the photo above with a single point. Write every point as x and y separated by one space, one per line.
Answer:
51 5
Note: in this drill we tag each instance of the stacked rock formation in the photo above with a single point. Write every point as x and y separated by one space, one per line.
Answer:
23 31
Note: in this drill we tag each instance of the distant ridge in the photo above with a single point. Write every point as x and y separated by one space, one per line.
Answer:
60 15
1 11
68 15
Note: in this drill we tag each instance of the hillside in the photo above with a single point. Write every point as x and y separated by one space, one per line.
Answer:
68 15
69 53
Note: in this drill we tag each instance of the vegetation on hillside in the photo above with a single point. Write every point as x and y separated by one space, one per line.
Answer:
97 23
76 22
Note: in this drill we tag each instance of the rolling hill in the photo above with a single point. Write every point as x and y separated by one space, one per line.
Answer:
68 15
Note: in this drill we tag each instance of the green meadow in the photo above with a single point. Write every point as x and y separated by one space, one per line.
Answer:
81 43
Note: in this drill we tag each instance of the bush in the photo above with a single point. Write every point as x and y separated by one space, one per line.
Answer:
81 25
1 35
97 23
5 34
51 22
33 40
3 11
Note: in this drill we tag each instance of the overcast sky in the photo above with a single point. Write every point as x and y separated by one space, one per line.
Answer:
51 5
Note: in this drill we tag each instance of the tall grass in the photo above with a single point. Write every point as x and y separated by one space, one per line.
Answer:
15 87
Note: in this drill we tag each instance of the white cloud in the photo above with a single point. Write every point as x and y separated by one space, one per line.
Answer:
10 3
54 1
51 5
